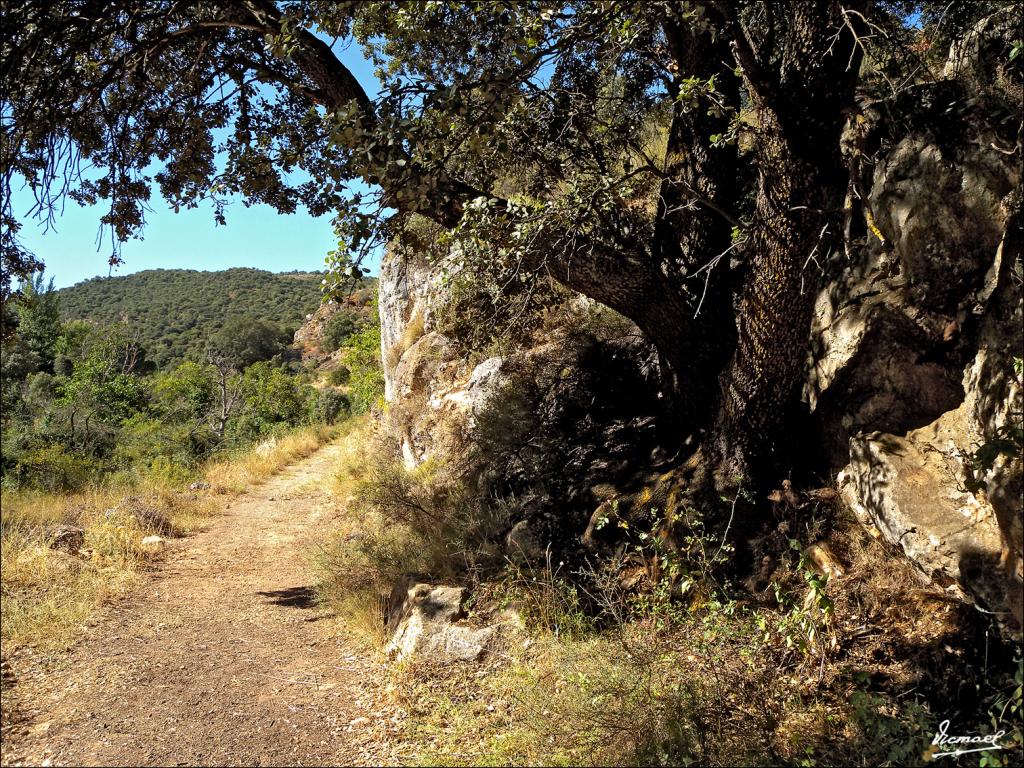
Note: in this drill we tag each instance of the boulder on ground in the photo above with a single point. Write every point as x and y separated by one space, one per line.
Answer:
423 624
67 538
523 542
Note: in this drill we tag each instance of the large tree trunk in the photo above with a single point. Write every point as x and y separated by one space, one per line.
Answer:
693 324
801 112
792 234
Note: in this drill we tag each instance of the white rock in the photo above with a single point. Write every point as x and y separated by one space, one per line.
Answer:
424 625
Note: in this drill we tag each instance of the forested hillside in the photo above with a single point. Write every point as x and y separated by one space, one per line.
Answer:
158 372
175 311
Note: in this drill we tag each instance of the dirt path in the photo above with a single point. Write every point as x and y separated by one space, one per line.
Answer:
219 659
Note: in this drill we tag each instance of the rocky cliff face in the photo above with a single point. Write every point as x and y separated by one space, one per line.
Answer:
545 422
912 375
309 339
910 378
408 290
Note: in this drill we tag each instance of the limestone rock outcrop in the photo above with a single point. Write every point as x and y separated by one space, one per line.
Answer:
911 378
424 623
309 339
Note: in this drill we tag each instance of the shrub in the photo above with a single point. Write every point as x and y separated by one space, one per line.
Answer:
328 406
410 335
342 324
55 468
144 444
187 392
166 471
361 355
270 399
339 377
425 521
487 305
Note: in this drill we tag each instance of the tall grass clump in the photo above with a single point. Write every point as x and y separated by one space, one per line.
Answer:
50 588
235 473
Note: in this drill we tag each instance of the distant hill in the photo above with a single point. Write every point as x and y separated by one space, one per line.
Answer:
176 310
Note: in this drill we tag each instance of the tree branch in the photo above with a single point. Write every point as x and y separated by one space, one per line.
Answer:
316 59
759 80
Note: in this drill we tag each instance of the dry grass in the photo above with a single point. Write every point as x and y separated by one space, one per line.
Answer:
47 593
348 579
625 695
236 473
393 522
412 333
559 692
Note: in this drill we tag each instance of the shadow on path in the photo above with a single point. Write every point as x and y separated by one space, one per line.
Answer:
293 597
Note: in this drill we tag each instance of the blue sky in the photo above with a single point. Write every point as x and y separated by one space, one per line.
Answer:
256 236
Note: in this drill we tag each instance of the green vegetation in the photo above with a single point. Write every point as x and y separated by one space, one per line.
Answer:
83 402
342 324
555 139
176 311
361 357
244 340
656 656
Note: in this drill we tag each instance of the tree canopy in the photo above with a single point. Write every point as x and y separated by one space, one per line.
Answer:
245 340
679 162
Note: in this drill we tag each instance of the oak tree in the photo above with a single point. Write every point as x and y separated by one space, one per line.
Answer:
677 161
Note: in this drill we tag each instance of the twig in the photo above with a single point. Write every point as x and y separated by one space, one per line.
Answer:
290 680
732 512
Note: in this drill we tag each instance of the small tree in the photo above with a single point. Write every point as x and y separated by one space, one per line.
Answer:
30 346
328 406
246 340
104 389
187 402
342 324
188 393
229 392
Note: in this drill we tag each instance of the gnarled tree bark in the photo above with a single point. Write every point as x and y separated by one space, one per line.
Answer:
801 110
